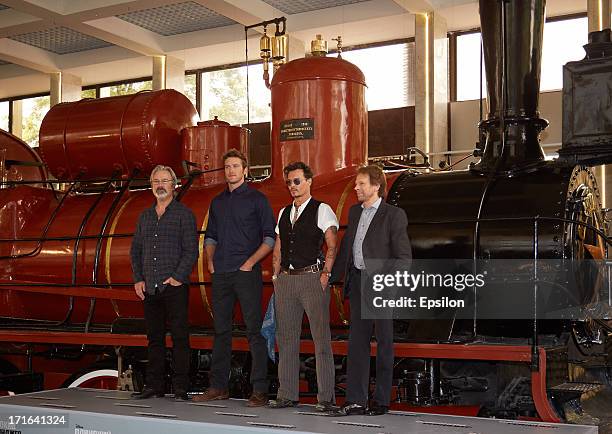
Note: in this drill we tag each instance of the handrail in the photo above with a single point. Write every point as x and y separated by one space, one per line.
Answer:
104 180
411 223
77 240
109 213
107 217
42 239
498 219
185 187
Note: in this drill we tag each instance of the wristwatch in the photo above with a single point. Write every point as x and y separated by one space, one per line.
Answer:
326 272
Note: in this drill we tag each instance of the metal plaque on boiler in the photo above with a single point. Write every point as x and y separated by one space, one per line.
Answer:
297 129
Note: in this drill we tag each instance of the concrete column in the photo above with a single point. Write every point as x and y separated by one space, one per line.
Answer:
168 73
16 123
431 99
598 13
64 87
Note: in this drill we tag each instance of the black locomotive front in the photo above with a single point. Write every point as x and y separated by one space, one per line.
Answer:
512 205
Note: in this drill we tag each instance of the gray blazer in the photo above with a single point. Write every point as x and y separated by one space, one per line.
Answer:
386 238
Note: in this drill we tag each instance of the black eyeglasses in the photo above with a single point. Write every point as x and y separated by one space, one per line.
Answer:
294 181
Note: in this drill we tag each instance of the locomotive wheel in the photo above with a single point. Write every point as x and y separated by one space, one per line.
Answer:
100 375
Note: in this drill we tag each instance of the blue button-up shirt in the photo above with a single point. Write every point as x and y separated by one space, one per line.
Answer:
165 246
238 222
367 214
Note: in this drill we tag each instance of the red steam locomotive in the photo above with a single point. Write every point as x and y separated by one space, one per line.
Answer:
68 309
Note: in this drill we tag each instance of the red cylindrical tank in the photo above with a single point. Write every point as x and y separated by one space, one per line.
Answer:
319 116
93 138
205 144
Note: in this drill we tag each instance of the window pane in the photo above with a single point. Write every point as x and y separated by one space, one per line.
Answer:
125 88
563 41
88 93
468 72
4 115
224 95
34 110
190 88
389 74
259 95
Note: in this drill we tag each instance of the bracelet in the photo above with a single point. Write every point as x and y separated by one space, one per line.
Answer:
274 276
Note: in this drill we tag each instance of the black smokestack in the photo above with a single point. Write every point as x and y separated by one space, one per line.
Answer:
512 34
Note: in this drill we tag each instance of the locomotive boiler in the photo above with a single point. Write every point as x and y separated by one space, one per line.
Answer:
67 217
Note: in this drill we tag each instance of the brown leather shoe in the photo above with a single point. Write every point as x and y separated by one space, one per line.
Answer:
212 394
257 399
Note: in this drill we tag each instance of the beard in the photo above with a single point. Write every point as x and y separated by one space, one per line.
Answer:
161 193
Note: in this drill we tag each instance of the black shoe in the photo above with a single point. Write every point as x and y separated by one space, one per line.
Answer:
147 393
179 395
377 410
351 408
326 407
282 403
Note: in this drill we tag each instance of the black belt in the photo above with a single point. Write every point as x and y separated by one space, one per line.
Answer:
314 268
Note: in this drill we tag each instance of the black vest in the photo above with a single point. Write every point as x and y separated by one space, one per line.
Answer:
300 244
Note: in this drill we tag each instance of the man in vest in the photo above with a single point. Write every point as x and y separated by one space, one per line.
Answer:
300 276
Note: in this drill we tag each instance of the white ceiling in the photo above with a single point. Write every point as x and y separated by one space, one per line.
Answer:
108 40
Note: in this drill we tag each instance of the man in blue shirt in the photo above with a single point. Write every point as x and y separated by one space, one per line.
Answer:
240 233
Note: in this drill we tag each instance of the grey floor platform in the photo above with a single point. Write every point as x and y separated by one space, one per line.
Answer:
93 411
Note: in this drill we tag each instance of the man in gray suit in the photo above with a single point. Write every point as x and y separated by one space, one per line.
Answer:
376 230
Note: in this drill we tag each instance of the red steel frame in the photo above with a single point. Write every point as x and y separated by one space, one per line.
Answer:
507 353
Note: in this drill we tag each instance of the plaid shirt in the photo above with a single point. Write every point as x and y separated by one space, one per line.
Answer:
164 247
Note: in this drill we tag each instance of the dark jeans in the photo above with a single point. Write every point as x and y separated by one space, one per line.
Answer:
168 306
358 364
247 287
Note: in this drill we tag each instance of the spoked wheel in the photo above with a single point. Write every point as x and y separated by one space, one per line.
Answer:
97 379
99 375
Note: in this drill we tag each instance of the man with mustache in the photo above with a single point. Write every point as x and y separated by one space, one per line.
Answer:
301 275
239 234
164 250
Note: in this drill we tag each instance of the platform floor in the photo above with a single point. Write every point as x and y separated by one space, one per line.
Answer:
94 411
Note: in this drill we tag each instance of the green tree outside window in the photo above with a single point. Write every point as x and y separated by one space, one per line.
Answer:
88 93
34 110
224 95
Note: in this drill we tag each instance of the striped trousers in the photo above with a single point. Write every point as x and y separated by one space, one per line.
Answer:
295 294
